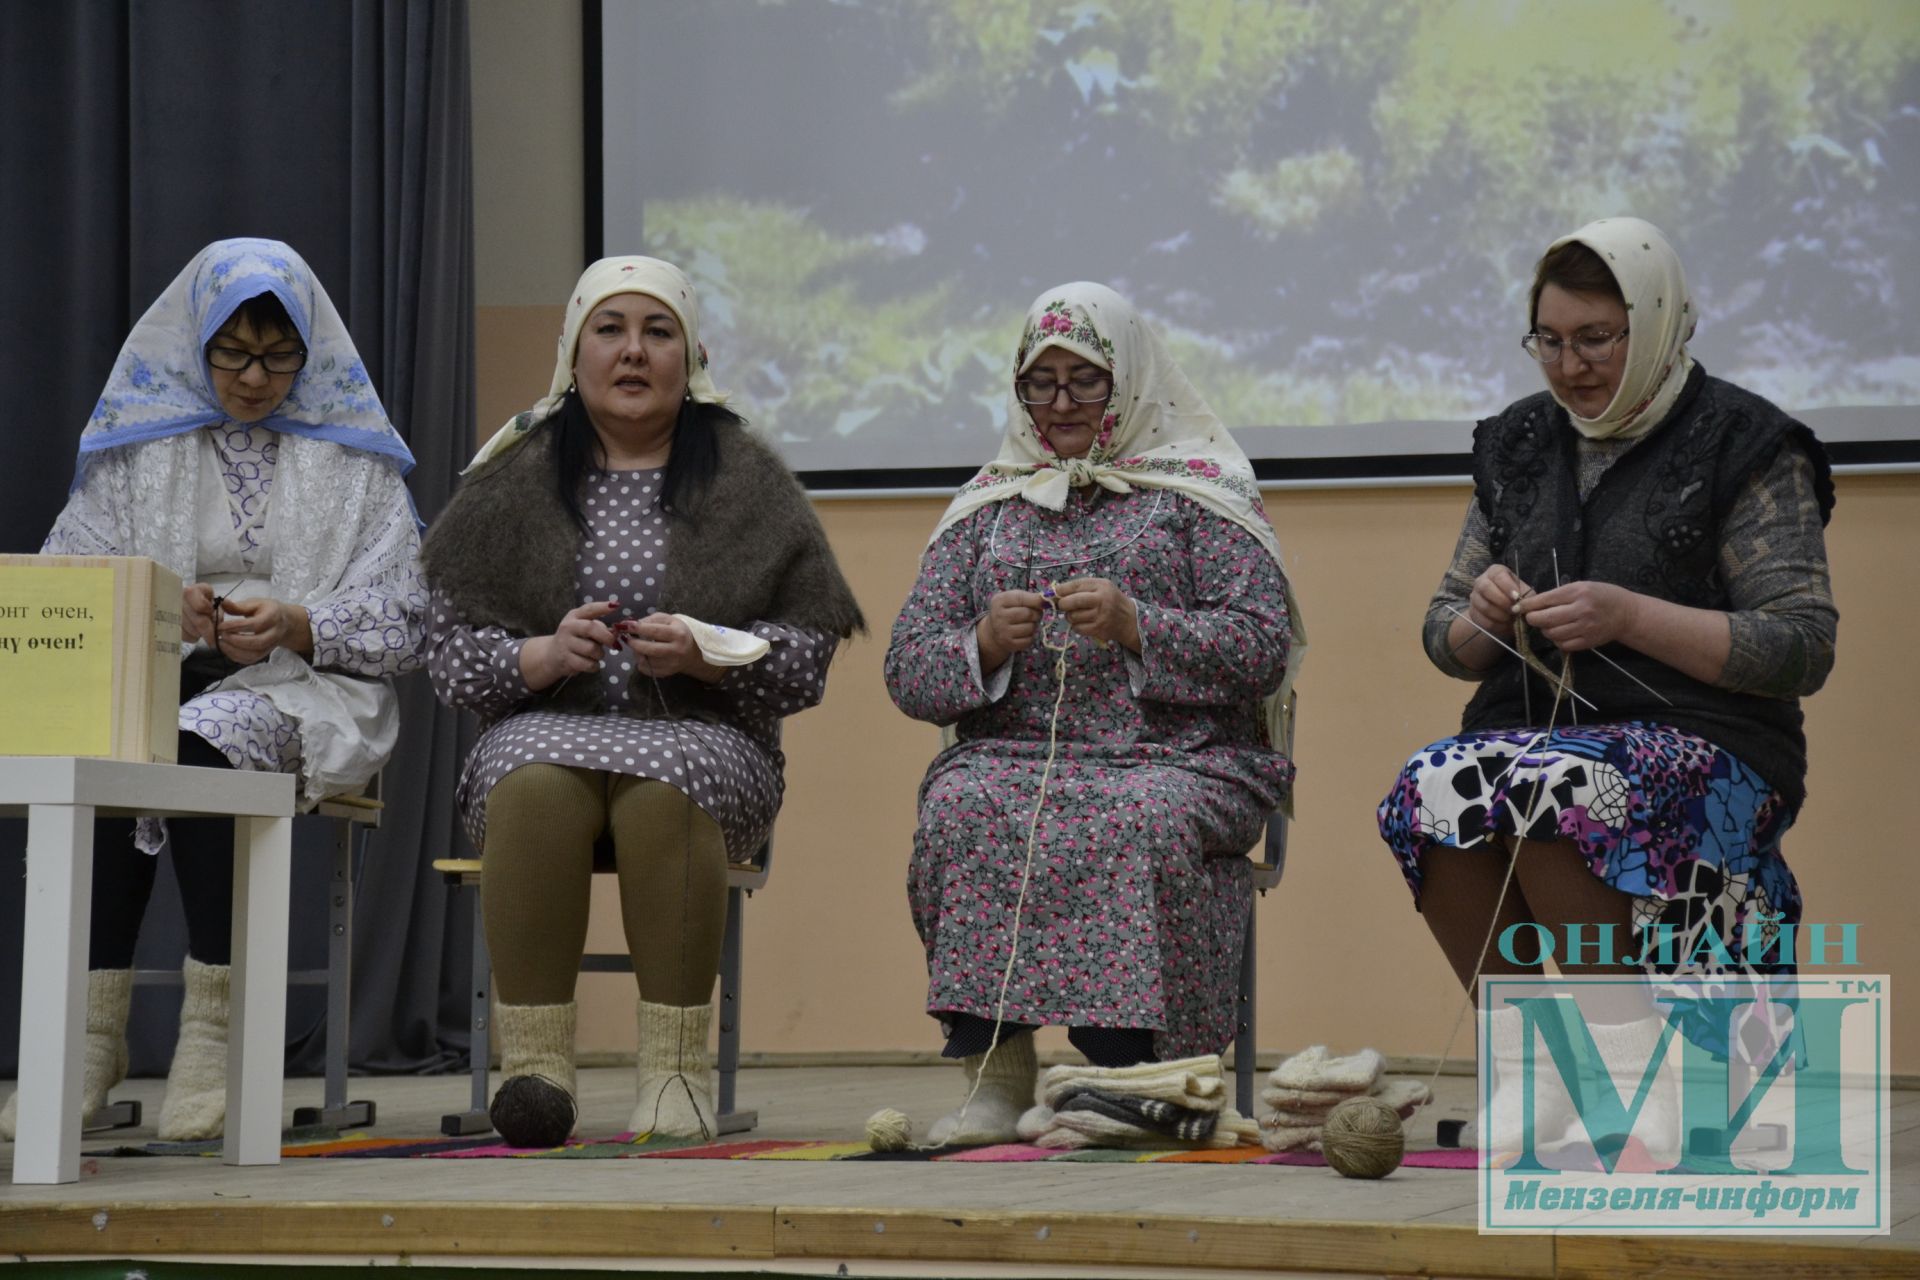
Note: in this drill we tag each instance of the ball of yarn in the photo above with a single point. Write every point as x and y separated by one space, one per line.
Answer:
533 1111
889 1130
1363 1139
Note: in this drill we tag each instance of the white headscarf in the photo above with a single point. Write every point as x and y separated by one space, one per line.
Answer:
161 385
603 280
1660 316
1158 433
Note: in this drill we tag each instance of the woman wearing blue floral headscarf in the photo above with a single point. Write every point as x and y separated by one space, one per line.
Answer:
240 443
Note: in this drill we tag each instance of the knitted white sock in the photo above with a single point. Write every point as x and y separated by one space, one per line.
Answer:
109 996
1286 1137
1315 1068
674 1084
1403 1095
1280 1096
1033 1122
195 1104
1301 1117
1005 1094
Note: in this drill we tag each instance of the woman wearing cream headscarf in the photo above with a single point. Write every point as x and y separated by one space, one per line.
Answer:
1658 533
1121 521
631 591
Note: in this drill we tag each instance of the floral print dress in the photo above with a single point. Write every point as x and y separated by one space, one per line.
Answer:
1137 902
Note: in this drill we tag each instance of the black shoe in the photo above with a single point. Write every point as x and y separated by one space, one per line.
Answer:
532 1111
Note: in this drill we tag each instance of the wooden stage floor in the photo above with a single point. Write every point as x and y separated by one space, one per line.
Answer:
849 1218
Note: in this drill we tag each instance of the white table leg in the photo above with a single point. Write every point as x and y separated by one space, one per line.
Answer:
257 1021
53 992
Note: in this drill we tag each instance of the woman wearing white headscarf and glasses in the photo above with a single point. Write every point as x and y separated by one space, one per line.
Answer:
240 443
1122 521
1662 530
631 591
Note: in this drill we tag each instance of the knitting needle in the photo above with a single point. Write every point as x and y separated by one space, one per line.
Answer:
1516 653
1602 656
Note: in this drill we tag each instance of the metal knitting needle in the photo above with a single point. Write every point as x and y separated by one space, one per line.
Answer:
1603 657
1516 653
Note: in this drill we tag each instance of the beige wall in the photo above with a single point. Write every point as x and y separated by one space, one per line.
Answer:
832 964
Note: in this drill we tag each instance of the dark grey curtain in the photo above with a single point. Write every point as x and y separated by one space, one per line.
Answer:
133 133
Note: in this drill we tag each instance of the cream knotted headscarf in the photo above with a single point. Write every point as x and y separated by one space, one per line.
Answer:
1158 432
602 280
1660 316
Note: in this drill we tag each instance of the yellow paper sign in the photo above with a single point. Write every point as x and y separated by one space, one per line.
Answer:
56 662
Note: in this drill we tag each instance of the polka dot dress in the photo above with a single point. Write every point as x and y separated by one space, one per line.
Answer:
732 771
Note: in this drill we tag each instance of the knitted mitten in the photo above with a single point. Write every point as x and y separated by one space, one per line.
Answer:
1006 1080
195 1104
675 1093
109 995
537 1102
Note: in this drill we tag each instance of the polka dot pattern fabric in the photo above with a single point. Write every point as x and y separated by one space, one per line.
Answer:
732 771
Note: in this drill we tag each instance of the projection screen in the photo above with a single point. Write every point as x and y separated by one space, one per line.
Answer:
1332 210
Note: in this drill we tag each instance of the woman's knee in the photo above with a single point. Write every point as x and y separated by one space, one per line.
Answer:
545 794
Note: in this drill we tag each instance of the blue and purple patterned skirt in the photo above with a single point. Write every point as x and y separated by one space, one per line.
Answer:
1684 827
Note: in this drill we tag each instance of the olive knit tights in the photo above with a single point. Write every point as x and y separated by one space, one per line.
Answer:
544 822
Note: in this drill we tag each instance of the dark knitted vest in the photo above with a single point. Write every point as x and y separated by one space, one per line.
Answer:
1651 524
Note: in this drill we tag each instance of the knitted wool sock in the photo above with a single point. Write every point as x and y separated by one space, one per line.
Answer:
109 996
1286 1137
1314 1068
1033 1122
1403 1095
536 1104
674 1085
1301 1117
195 1104
1006 1091
1302 1099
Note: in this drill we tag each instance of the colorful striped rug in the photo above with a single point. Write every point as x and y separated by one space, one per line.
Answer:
330 1144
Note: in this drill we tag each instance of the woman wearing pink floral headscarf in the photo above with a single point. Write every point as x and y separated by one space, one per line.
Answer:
1120 520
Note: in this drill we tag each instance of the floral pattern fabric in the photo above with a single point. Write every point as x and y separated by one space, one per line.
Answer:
1137 904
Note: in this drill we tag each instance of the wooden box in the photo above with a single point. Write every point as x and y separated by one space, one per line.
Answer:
89 658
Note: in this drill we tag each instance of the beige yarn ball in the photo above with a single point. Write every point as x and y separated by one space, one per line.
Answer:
889 1130
1363 1139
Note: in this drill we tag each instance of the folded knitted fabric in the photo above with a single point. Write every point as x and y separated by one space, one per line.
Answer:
1076 1130
1285 1129
1289 1137
1305 1117
1150 1114
1195 1083
1315 1069
1302 1099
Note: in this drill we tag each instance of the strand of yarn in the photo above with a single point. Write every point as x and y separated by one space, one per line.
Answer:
1060 650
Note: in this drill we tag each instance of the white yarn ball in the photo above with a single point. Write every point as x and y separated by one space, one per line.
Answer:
889 1130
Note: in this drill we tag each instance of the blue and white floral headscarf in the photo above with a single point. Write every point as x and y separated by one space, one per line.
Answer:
161 385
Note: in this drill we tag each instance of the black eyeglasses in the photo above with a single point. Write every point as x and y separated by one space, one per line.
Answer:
1088 388
234 360
1594 348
